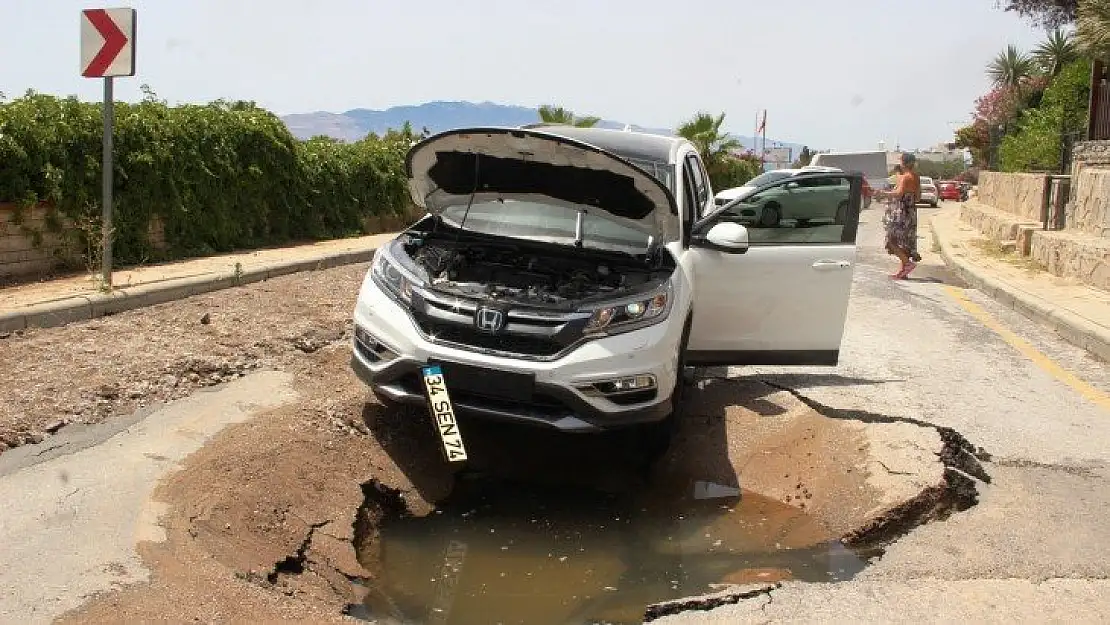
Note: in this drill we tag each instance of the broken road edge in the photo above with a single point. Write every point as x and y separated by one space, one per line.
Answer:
95 305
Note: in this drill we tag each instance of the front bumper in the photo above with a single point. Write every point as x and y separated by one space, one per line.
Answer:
558 394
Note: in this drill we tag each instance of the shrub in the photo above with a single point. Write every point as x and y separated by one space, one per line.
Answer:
1037 142
218 177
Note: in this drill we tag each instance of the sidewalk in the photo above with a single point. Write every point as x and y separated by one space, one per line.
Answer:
1078 313
62 301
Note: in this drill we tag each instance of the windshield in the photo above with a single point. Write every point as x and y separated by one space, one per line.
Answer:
549 223
768 178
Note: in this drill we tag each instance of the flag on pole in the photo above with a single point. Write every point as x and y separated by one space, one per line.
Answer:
762 122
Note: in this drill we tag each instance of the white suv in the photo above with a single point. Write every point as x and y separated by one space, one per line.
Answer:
568 278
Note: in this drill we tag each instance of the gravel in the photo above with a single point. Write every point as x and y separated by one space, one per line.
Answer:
95 370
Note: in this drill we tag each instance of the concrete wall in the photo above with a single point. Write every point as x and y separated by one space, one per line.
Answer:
28 246
1021 195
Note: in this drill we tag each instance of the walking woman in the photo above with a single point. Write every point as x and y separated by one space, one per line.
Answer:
900 219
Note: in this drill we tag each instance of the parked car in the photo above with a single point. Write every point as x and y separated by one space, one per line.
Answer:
929 192
768 208
550 256
950 190
803 201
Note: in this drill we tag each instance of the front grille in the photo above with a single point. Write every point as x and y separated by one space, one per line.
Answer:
508 343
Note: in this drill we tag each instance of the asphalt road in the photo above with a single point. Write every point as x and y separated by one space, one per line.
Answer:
1037 547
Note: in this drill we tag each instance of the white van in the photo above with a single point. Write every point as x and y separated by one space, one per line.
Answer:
872 164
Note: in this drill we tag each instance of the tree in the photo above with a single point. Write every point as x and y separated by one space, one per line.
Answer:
551 114
704 131
940 170
1011 68
1048 13
1055 52
1092 29
1037 140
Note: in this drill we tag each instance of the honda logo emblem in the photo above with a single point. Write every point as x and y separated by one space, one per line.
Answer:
489 320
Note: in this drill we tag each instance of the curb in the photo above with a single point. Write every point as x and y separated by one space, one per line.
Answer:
94 305
1071 327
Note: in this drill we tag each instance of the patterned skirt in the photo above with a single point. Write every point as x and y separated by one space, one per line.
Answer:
900 221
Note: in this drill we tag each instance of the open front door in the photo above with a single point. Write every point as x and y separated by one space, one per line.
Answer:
781 298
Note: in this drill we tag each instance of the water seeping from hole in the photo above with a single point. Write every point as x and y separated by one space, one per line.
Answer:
502 552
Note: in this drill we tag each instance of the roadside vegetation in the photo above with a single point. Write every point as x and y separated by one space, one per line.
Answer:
213 178
1038 104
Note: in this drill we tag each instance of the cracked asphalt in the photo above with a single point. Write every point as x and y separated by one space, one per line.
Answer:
915 361
1036 547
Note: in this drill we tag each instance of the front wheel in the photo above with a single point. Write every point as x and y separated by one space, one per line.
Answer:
770 216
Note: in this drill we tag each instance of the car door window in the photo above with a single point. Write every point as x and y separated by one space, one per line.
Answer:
701 180
690 190
812 208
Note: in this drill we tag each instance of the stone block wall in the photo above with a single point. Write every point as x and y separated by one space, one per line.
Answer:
38 241
31 244
1089 209
1076 256
1021 195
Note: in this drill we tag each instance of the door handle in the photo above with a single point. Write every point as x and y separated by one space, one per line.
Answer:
831 264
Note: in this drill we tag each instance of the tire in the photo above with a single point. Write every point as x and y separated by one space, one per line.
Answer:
770 216
841 213
934 204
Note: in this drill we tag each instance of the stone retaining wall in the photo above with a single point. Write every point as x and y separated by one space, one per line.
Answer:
1089 209
38 241
1021 195
1073 256
33 243
993 224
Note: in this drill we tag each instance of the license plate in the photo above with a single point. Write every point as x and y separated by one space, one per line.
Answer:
443 413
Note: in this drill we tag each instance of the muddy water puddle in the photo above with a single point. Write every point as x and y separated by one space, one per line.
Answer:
499 552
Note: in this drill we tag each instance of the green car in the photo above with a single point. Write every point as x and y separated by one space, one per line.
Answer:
805 201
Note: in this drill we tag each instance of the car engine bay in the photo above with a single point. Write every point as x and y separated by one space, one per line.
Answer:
531 275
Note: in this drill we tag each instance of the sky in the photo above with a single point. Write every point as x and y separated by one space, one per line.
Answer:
833 75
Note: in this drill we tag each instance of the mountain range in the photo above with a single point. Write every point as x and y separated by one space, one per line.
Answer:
438 116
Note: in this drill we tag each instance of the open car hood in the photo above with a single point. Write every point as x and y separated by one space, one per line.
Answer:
514 163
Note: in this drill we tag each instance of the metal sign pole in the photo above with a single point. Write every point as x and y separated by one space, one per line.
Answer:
106 190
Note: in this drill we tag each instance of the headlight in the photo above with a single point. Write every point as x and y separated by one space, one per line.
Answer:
390 278
631 314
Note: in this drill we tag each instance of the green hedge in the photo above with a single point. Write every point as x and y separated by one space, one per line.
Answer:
220 177
1036 143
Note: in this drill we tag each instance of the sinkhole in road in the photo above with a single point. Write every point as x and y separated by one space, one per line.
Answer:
496 551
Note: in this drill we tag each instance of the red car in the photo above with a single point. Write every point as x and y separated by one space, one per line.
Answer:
949 190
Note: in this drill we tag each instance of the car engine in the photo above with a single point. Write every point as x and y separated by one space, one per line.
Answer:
514 273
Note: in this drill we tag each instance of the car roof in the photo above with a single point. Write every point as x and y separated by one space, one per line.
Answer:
637 145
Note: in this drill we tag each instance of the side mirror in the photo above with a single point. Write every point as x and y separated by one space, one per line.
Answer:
727 236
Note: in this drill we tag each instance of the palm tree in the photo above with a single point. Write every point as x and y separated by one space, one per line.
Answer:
1011 68
1092 29
704 131
551 114
1055 52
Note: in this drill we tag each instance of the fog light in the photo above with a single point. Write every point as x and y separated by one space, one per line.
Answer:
626 385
